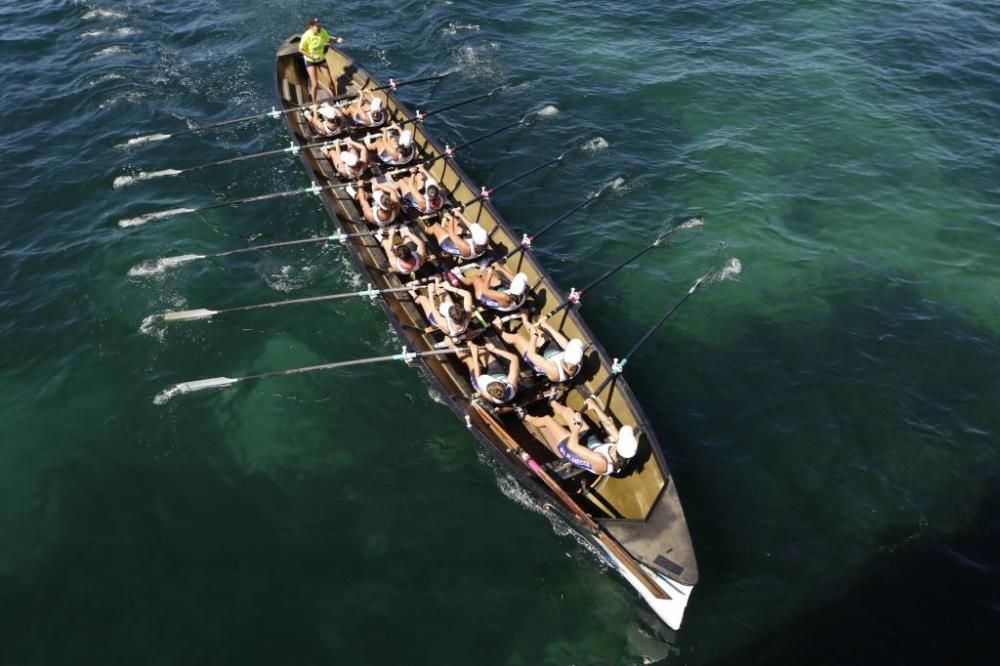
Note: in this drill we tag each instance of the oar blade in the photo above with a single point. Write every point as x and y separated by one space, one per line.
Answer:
190 387
150 217
149 138
189 315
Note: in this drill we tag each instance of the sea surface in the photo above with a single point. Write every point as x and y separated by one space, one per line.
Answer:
831 418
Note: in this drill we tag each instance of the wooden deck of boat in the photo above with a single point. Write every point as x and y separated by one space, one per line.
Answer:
640 508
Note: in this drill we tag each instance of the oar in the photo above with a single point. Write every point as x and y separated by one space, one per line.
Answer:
273 113
732 268
225 382
294 149
204 313
527 240
576 295
599 533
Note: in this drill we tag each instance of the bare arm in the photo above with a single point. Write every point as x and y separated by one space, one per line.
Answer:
556 335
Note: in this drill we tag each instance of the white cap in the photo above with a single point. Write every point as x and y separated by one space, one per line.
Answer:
376 104
405 138
518 284
350 159
627 444
327 111
479 235
573 353
378 196
445 309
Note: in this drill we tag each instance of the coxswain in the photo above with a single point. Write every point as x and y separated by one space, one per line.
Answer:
459 238
348 156
420 191
560 358
395 147
409 255
382 207
313 45
447 308
486 372
576 443
496 287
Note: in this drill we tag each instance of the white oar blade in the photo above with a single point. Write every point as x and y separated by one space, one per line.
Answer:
149 217
161 265
189 315
190 387
149 138
125 181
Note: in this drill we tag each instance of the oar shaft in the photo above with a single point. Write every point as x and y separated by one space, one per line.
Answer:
420 117
576 295
528 240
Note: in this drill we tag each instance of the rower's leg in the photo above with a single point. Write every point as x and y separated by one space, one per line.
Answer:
313 84
551 431
518 342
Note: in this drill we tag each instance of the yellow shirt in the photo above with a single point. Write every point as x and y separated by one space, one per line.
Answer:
313 45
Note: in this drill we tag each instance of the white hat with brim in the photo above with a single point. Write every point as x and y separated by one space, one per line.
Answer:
350 159
627 443
376 104
328 112
405 138
573 353
378 196
445 309
479 235
518 284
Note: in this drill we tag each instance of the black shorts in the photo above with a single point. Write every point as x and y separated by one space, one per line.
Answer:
321 63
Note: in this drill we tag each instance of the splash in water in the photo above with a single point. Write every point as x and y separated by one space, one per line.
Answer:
731 270
693 223
548 111
149 217
125 181
166 394
595 145
102 13
147 268
143 139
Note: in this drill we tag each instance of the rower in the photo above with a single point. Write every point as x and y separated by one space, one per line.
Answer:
326 120
559 361
349 157
486 372
366 110
409 255
420 191
459 238
575 442
444 311
382 208
496 287
395 147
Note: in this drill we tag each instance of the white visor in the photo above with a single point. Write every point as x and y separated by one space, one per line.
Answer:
350 159
405 138
479 235
445 309
627 444
378 196
574 352
376 104
518 284
328 112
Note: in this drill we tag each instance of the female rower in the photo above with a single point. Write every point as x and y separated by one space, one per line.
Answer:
395 147
444 312
409 255
382 208
326 120
496 287
366 110
559 362
487 374
574 442
420 191
313 45
349 157
457 237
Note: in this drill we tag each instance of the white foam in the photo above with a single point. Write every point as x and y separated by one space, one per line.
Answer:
144 139
109 50
125 181
548 111
614 185
166 394
114 76
732 269
147 268
595 144
102 13
691 224
149 217
453 27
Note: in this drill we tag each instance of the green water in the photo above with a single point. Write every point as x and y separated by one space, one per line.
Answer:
830 419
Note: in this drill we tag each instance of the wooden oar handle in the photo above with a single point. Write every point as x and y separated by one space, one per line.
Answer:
606 539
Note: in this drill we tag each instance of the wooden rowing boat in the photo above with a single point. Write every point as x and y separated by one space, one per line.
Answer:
635 517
